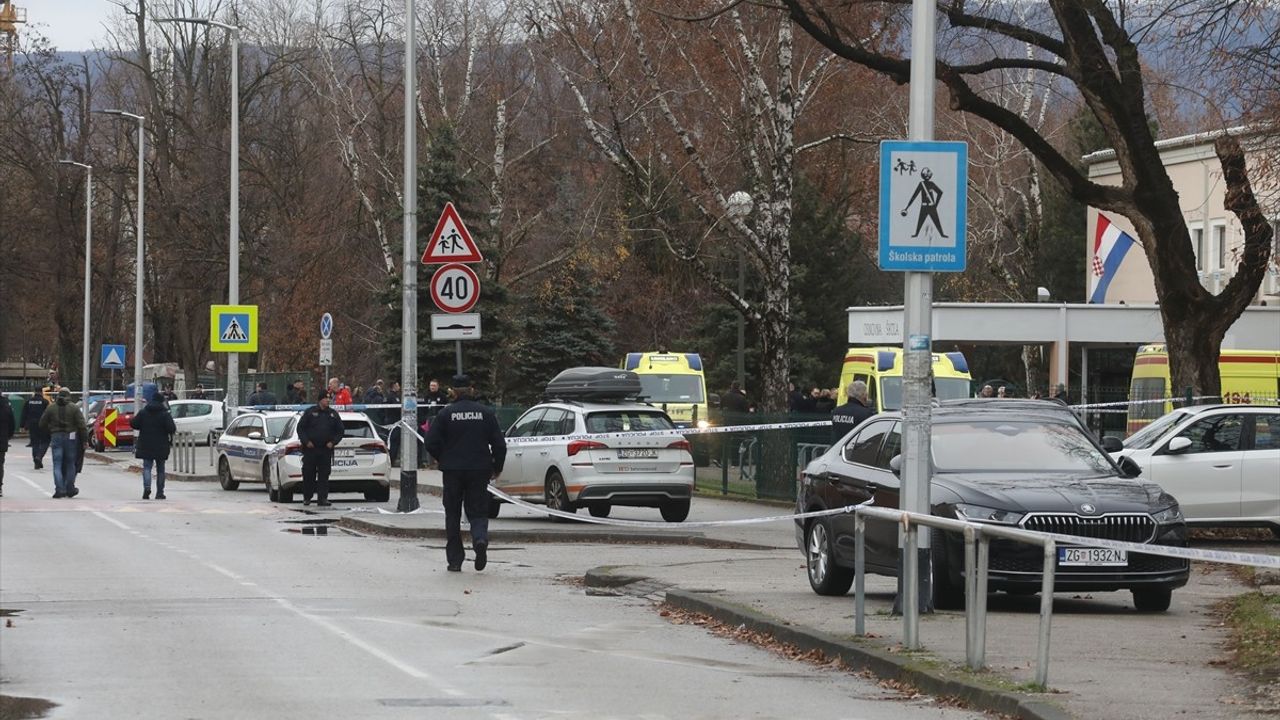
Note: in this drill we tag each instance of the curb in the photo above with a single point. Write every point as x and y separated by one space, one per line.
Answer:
881 663
549 536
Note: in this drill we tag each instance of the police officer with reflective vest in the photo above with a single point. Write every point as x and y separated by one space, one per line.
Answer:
319 431
466 441
852 413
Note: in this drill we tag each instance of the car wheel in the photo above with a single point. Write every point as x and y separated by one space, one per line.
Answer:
558 495
600 510
1151 601
675 511
272 495
495 507
224 476
379 495
824 576
948 594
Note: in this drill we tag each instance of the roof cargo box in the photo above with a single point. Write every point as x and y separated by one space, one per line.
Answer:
594 383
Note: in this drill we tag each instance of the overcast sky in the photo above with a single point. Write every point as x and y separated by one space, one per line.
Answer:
69 24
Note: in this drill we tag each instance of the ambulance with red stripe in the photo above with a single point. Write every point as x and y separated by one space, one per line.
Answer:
1248 377
881 369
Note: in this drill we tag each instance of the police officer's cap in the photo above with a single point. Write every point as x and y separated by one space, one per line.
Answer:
461 381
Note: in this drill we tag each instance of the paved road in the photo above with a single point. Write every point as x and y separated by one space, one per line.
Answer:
216 605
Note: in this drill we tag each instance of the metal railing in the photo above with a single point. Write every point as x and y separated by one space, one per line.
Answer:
184 452
977 555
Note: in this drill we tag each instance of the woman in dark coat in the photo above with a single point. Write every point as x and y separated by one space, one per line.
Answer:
7 423
154 433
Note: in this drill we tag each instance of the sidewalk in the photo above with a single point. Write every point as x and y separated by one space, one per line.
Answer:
1106 661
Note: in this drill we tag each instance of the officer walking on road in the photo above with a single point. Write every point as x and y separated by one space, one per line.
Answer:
849 415
466 441
32 410
319 430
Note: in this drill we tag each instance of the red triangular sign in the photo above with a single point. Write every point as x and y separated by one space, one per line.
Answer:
450 243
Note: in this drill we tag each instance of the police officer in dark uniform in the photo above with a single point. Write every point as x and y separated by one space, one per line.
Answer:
852 413
319 430
466 441
32 410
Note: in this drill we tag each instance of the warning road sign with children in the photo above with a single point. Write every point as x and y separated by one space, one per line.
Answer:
450 243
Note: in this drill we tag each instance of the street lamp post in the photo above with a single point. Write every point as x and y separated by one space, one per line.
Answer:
739 206
233 241
408 500
137 292
88 255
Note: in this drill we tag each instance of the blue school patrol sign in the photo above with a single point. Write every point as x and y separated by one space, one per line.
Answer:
923 205
113 357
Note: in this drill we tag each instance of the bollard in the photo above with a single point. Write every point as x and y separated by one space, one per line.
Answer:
859 574
1046 612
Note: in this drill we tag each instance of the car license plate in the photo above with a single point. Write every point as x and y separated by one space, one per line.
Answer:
344 453
637 453
1092 557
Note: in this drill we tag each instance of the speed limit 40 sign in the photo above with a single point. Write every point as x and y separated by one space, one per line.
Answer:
455 288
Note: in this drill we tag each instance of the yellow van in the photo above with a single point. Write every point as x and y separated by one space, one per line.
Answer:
1248 377
881 369
674 382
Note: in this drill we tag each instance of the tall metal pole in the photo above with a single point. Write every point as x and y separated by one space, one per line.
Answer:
88 278
918 351
233 242
409 286
137 295
742 322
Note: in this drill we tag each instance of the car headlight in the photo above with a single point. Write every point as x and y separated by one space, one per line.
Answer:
1169 516
978 513
702 424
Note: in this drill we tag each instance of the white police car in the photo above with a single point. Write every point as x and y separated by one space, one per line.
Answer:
360 462
244 449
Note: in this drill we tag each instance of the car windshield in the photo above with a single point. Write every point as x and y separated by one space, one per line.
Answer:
660 388
627 421
1152 432
1030 446
276 426
944 389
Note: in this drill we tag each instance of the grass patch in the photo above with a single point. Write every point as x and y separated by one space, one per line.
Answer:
1254 623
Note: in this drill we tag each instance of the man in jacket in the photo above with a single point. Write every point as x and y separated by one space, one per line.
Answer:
467 442
375 395
295 395
852 413
32 411
319 431
338 393
65 425
155 429
7 426
263 396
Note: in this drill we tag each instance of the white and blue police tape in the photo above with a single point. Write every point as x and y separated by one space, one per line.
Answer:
672 431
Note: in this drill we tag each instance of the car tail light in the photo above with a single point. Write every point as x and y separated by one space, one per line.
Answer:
681 445
578 446
293 449
375 446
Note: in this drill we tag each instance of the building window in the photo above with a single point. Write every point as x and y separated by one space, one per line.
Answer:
1197 246
1220 246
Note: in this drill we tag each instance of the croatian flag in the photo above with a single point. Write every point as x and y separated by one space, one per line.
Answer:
1109 246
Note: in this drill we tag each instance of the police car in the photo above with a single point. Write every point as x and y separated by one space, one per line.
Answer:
361 462
546 464
244 449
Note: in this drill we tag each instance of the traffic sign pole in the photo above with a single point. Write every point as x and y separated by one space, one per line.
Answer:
409 286
915 593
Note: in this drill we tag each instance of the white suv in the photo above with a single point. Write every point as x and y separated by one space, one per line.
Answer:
1222 462
566 474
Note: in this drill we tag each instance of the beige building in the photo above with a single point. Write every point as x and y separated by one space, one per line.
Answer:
1216 235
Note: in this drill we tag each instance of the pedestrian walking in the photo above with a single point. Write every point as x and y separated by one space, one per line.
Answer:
263 396
155 430
295 395
32 410
7 425
64 423
320 430
467 442
849 415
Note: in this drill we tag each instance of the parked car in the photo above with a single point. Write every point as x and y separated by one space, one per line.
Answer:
648 471
1222 462
99 433
360 461
1013 463
244 450
202 418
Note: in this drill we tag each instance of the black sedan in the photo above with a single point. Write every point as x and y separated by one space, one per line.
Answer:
1026 464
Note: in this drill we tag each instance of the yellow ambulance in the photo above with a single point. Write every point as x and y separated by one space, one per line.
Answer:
881 369
673 382
1248 377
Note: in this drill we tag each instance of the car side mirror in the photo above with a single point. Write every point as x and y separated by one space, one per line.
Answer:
896 465
1179 445
1112 444
1129 467
255 435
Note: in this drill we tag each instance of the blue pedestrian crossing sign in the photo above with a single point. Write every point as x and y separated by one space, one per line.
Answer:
113 357
923 206
233 328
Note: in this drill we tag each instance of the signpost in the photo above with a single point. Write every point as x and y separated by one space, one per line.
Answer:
113 357
326 345
455 326
922 222
455 288
233 328
450 242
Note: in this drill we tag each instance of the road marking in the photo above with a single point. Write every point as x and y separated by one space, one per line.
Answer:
115 522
